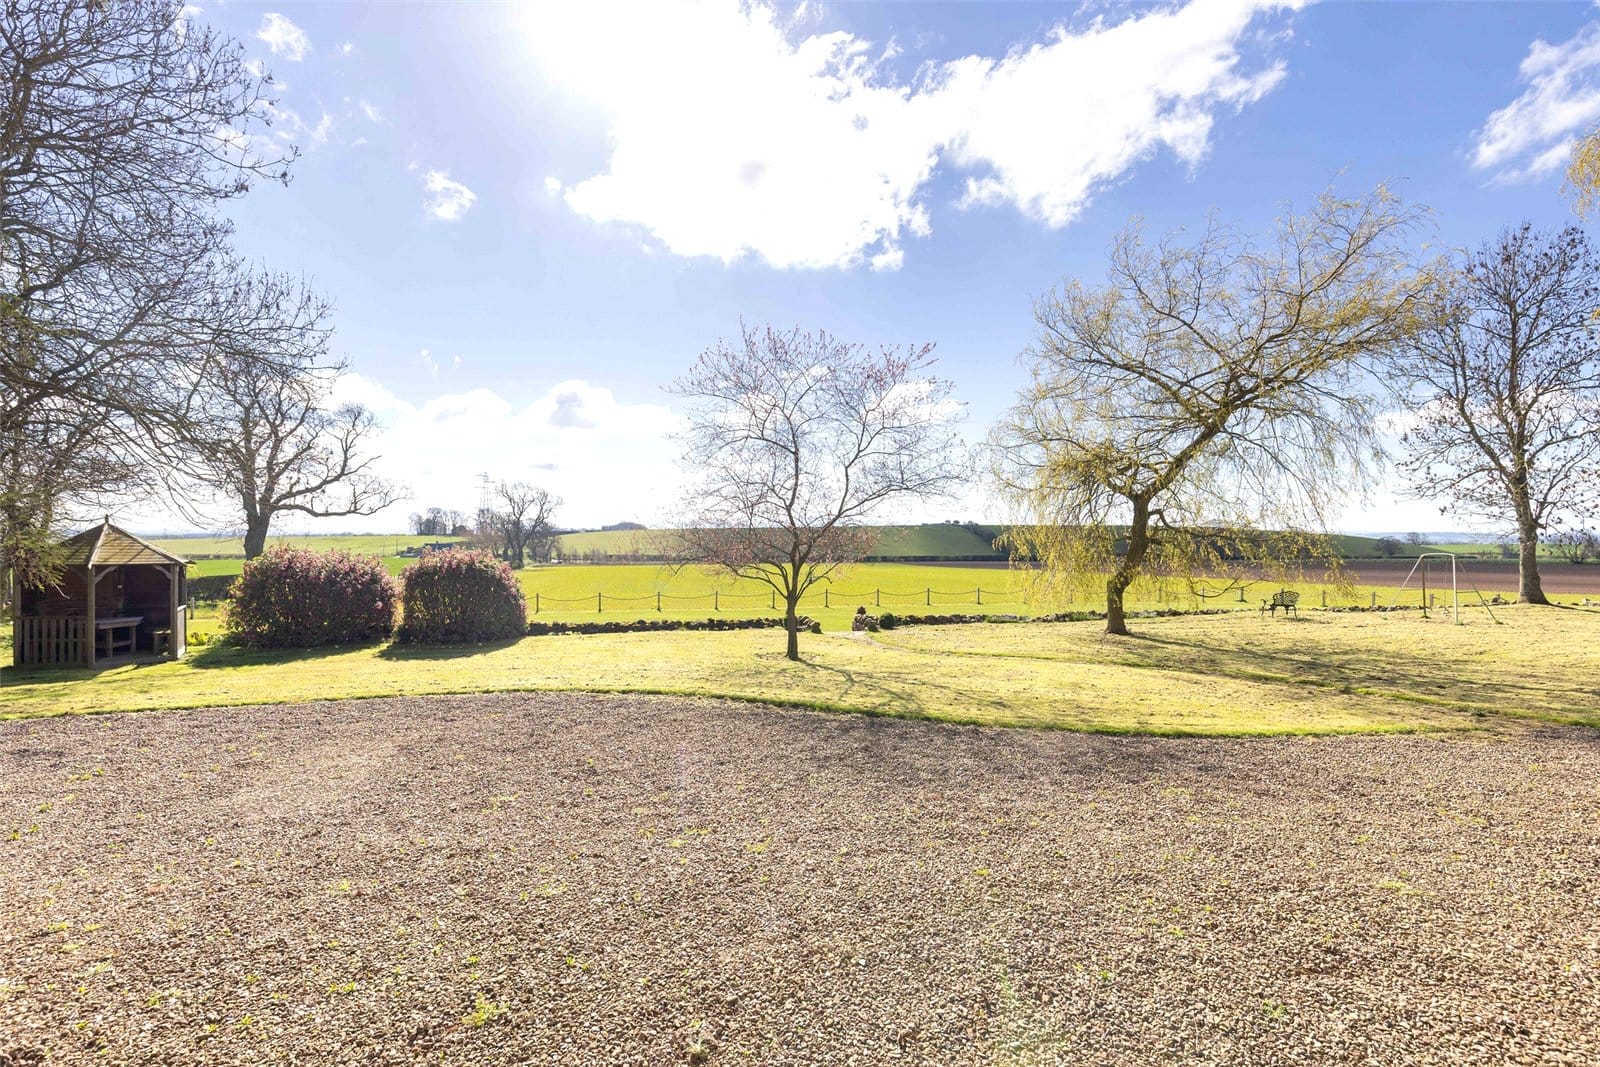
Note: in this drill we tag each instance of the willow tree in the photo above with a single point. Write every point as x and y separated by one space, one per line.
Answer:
1207 409
798 439
1582 185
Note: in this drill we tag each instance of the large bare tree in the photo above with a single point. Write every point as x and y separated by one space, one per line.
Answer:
1204 412
798 439
258 431
1503 389
125 127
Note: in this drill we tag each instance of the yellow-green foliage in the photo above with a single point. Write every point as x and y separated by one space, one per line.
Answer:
1235 674
1583 174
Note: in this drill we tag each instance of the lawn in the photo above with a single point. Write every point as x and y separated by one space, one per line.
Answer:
1326 673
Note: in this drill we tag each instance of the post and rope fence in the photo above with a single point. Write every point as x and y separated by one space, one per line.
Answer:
714 599
719 600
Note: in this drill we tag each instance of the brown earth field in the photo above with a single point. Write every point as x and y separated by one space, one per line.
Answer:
1557 579
571 879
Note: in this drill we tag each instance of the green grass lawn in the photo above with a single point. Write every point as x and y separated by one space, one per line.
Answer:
1214 675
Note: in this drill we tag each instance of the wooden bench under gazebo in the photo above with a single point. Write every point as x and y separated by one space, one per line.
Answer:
119 597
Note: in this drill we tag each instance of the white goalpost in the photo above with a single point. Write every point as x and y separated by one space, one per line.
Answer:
1457 572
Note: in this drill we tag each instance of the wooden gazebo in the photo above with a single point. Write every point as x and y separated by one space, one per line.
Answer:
119 597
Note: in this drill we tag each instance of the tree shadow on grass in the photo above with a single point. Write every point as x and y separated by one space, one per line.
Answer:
222 655
408 652
1404 670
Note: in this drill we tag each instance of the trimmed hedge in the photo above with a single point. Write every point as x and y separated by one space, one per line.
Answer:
297 598
460 597
212 586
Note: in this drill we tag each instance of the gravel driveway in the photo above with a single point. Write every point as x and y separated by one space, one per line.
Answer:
573 879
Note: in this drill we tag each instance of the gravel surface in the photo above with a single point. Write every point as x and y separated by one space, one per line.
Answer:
570 879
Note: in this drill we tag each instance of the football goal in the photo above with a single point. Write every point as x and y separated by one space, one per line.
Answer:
1428 576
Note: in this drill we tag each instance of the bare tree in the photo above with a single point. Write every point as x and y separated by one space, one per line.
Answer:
1387 546
1416 540
522 523
258 429
798 440
435 522
1503 389
125 127
1205 411
1577 546
292 454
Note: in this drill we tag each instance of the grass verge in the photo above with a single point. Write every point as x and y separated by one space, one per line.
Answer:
1210 676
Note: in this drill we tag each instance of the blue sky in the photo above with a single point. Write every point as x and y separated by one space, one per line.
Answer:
531 218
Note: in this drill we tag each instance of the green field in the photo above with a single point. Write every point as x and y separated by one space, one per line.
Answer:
933 539
364 544
941 540
1236 674
571 592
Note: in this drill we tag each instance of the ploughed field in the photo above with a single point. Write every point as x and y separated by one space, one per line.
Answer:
570 878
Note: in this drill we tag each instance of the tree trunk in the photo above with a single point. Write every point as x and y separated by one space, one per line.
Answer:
791 620
1529 590
255 535
1116 622
1117 584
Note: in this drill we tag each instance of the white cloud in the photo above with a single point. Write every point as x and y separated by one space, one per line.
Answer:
607 460
348 48
448 199
552 186
1532 136
371 111
283 37
434 367
821 157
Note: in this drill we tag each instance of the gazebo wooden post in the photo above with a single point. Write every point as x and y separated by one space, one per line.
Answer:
16 619
90 636
180 617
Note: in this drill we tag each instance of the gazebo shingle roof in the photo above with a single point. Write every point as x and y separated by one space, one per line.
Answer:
111 546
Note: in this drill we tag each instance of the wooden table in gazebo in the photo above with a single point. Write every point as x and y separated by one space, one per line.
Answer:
116 636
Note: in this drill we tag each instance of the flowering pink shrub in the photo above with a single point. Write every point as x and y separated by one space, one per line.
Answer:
297 598
459 597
